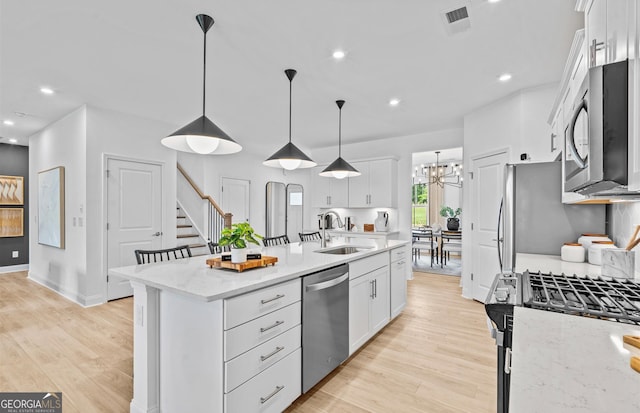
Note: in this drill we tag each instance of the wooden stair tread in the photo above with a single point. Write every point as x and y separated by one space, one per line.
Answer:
197 245
184 226
188 236
181 217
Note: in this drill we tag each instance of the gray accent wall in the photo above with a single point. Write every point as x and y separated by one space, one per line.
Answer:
14 161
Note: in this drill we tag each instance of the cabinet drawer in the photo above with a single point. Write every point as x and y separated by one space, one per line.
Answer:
270 391
366 265
399 254
258 359
255 332
246 307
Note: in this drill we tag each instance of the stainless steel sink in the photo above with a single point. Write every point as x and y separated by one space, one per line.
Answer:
343 250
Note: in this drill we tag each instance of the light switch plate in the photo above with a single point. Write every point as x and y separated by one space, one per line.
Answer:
15 254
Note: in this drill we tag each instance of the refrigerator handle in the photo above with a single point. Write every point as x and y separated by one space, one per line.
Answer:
499 239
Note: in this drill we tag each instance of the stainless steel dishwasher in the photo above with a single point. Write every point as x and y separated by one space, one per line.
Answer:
325 323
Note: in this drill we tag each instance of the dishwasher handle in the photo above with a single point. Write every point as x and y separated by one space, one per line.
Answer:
327 284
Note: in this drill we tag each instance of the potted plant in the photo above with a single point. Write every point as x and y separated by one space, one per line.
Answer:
237 237
453 223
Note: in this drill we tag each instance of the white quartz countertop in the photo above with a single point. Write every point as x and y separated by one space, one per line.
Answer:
192 277
359 233
566 363
553 264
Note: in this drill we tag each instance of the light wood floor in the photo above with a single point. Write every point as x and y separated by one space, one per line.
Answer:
435 357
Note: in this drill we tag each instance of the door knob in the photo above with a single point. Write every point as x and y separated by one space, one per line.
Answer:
157 234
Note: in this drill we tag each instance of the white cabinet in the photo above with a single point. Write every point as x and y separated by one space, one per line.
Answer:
328 192
607 30
376 187
262 361
398 286
368 300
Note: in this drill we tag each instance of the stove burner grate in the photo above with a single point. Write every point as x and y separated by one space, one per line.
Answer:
610 299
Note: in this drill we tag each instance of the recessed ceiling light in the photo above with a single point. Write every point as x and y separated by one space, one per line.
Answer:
8 122
339 54
46 90
504 77
394 102
13 140
493 1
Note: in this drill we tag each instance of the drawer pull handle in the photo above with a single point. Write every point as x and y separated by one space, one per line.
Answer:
273 353
263 400
276 324
277 297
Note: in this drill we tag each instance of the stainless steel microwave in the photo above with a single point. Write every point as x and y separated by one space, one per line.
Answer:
596 136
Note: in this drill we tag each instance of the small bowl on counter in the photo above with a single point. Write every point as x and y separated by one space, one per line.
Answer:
595 251
572 252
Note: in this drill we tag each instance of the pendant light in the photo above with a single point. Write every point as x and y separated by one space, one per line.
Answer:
340 168
289 157
202 136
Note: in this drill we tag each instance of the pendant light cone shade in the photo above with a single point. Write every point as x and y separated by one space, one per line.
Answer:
289 156
202 136
340 168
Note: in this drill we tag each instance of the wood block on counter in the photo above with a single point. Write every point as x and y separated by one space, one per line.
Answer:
632 341
368 228
248 264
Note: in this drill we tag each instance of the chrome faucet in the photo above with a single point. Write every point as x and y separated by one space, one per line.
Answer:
324 224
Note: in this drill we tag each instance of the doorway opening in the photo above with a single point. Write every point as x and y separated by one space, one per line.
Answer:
436 195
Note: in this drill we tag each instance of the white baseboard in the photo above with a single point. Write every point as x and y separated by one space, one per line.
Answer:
14 268
73 296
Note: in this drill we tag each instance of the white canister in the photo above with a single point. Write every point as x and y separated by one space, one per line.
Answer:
587 239
595 251
572 252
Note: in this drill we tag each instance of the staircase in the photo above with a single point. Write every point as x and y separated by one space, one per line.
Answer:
187 234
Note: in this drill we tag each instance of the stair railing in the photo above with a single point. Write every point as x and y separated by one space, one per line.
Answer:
216 218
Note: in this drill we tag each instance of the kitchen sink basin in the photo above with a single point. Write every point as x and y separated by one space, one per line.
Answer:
343 250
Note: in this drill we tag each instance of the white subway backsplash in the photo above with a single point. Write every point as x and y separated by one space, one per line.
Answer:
624 218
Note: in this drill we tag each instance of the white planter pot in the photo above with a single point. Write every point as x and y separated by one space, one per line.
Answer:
238 255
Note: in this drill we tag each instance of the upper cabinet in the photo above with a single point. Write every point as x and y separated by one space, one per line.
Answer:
606 23
376 187
328 192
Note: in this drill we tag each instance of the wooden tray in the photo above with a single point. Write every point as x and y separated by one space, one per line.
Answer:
248 264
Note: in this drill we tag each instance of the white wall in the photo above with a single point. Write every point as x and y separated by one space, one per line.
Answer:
129 137
79 142
400 148
62 143
208 171
517 123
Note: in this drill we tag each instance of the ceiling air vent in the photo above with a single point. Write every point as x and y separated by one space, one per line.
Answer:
457 14
457 20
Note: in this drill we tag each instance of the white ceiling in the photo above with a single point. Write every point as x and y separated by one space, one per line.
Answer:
144 57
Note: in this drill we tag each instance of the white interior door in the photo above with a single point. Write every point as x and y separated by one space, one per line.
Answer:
134 216
487 184
235 198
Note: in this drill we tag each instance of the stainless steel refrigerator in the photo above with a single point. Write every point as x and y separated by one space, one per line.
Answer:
533 218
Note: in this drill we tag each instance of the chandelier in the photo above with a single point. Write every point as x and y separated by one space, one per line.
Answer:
439 174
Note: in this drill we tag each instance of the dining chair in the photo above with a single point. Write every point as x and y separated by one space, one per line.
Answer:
310 236
216 248
167 254
423 240
450 241
279 240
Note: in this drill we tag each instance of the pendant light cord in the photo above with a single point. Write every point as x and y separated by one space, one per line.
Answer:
204 74
340 134
290 86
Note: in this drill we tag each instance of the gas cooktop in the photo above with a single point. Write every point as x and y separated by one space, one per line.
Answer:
604 298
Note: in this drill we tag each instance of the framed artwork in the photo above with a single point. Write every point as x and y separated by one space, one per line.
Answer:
11 222
51 207
11 190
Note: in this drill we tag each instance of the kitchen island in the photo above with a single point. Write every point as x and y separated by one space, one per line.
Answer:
197 330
